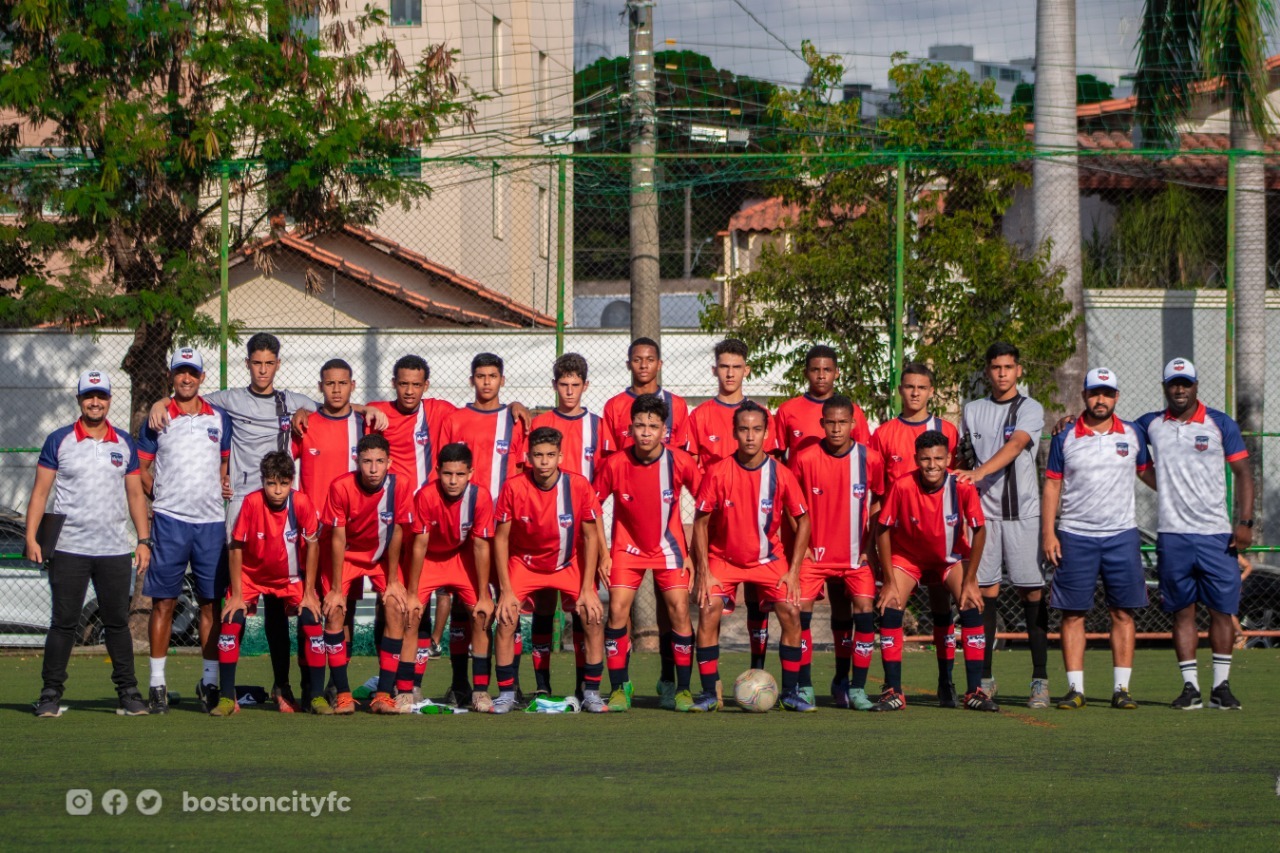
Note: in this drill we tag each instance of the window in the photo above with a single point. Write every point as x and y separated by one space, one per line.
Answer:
542 87
1010 75
498 201
498 49
406 13
544 222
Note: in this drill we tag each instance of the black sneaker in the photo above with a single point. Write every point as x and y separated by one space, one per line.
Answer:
209 695
1222 699
979 701
132 704
158 700
1074 701
1122 701
1189 698
890 700
947 697
48 705
457 698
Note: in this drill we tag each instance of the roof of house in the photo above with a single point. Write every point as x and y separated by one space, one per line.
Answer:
766 215
1123 105
1142 172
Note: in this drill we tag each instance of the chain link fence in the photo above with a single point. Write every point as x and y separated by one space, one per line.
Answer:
529 257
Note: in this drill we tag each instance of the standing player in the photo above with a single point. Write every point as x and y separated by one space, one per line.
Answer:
840 478
1196 543
741 504
896 442
798 422
1090 475
645 482
367 511
586 443
922 540
1004 431
275 551
541 517
453 527
183 469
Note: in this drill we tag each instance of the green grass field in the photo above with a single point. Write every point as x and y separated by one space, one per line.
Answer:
923 778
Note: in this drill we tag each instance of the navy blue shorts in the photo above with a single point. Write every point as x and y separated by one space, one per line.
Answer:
1115 559
1197 567
177 543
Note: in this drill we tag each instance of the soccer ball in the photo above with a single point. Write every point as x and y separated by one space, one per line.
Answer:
755 691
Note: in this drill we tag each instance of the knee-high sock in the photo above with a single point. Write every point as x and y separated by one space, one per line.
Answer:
666 656
459 651
944 643
389 664
842 637
421 657
757 633
709 667
229 653
989 614
864 642
973 635
617 650
1037 615
275 624
335 649
543 626
311 648
806 649
579 652
790 657
481 666
682 656
891 647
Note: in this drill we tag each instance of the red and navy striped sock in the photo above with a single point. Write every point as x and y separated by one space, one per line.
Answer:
311 648
540 652
591 676
790 657
806 649
579 651
864 642
944 643
506 678
229 653
459 652
335 649
682 656
891 647
517 651
757 633
617 650
709 667
389 664
480 668
974 636
420 658
842 638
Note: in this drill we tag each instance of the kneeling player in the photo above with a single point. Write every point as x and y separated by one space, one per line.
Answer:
645 482
736 541
274 551
453 520
541 516
922 541
366 511
839 477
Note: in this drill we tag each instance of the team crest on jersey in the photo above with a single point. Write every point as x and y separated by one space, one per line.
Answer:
214 434
353 453
421 437
1122 448
1202 443
589 452
502 446
285 422
766 505
463 527
226 642
291 536
668 496
1008 432
952 520
384 517
859 490
117 459
566 520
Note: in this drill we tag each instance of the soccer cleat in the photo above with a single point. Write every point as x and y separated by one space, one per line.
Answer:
1039 693
705 702
283 697
455 698
806 693
618 700
592 703
1222 698
859 699
344 704
840 692
158 700
684 701
132 704
630 690
207 695
47 705
404 703
1074 701
226 707
795 701
1188 699
890 700
990 688
383 704
947 697
666 695
505 703
434 650
319 705
481 702
331 693
978 700
1123 701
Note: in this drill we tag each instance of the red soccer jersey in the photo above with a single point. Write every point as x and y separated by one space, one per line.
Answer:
368 517
326 452
546 524
746 506
414 437
646 504
896 442
798 424
709 435
838 490
927 528
617 418
275 541
451 524
586 441
497 441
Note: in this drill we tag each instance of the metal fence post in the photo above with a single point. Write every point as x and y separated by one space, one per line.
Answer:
224 240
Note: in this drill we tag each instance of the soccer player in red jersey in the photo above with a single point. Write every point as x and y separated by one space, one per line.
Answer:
644 360
366 512
453 523
896 442
585 443
798 422
741 505
327 450
841 479
274 550
645 482
922 540
541 517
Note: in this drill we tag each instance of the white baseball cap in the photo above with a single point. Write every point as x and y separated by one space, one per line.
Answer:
1101 377
1180 368
94 380
186 357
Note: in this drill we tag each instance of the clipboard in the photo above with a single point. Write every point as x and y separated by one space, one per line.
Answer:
47 534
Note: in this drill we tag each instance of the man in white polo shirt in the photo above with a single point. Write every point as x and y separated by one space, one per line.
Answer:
1090 476
1196 544
183 468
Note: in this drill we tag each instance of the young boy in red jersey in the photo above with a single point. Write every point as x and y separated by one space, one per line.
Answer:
841 479
274 551
741 504
895 440
586 442
645 482
327 450
922 541
453 523
798 422
365 515
541 517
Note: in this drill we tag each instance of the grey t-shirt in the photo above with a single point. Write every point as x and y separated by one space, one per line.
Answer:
258 422
1013 492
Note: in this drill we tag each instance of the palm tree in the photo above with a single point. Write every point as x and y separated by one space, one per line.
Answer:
1183 41
1055 181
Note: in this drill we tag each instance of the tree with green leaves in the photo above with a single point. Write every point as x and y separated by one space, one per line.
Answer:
148 101
831 277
